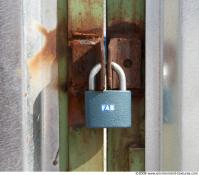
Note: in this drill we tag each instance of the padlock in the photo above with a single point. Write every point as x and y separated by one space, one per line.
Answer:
109 108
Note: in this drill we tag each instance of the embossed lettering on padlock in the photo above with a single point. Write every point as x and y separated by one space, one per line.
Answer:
110 108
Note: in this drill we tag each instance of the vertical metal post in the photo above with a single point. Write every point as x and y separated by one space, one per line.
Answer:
171 97
61 54
153 84
41 120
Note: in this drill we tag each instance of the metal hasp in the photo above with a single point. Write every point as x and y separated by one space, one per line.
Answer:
110 108
116 67
127 53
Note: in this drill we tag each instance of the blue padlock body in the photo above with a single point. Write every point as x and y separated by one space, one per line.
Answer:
108 109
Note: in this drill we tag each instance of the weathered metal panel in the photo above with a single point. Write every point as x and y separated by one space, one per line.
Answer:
121 140
85 19
11 87
85 149
84 32
83 58
85 16
136 159
126 18
126 21
126 11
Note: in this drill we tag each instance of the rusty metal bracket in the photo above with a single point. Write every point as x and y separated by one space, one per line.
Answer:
86 50
127 53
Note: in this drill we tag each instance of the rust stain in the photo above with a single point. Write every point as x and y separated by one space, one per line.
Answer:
126 49
127 53
122 29
83 54
86 21
85 35
83 58
43 60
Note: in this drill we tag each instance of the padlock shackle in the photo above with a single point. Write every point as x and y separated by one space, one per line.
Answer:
122 76
116 67
92 75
